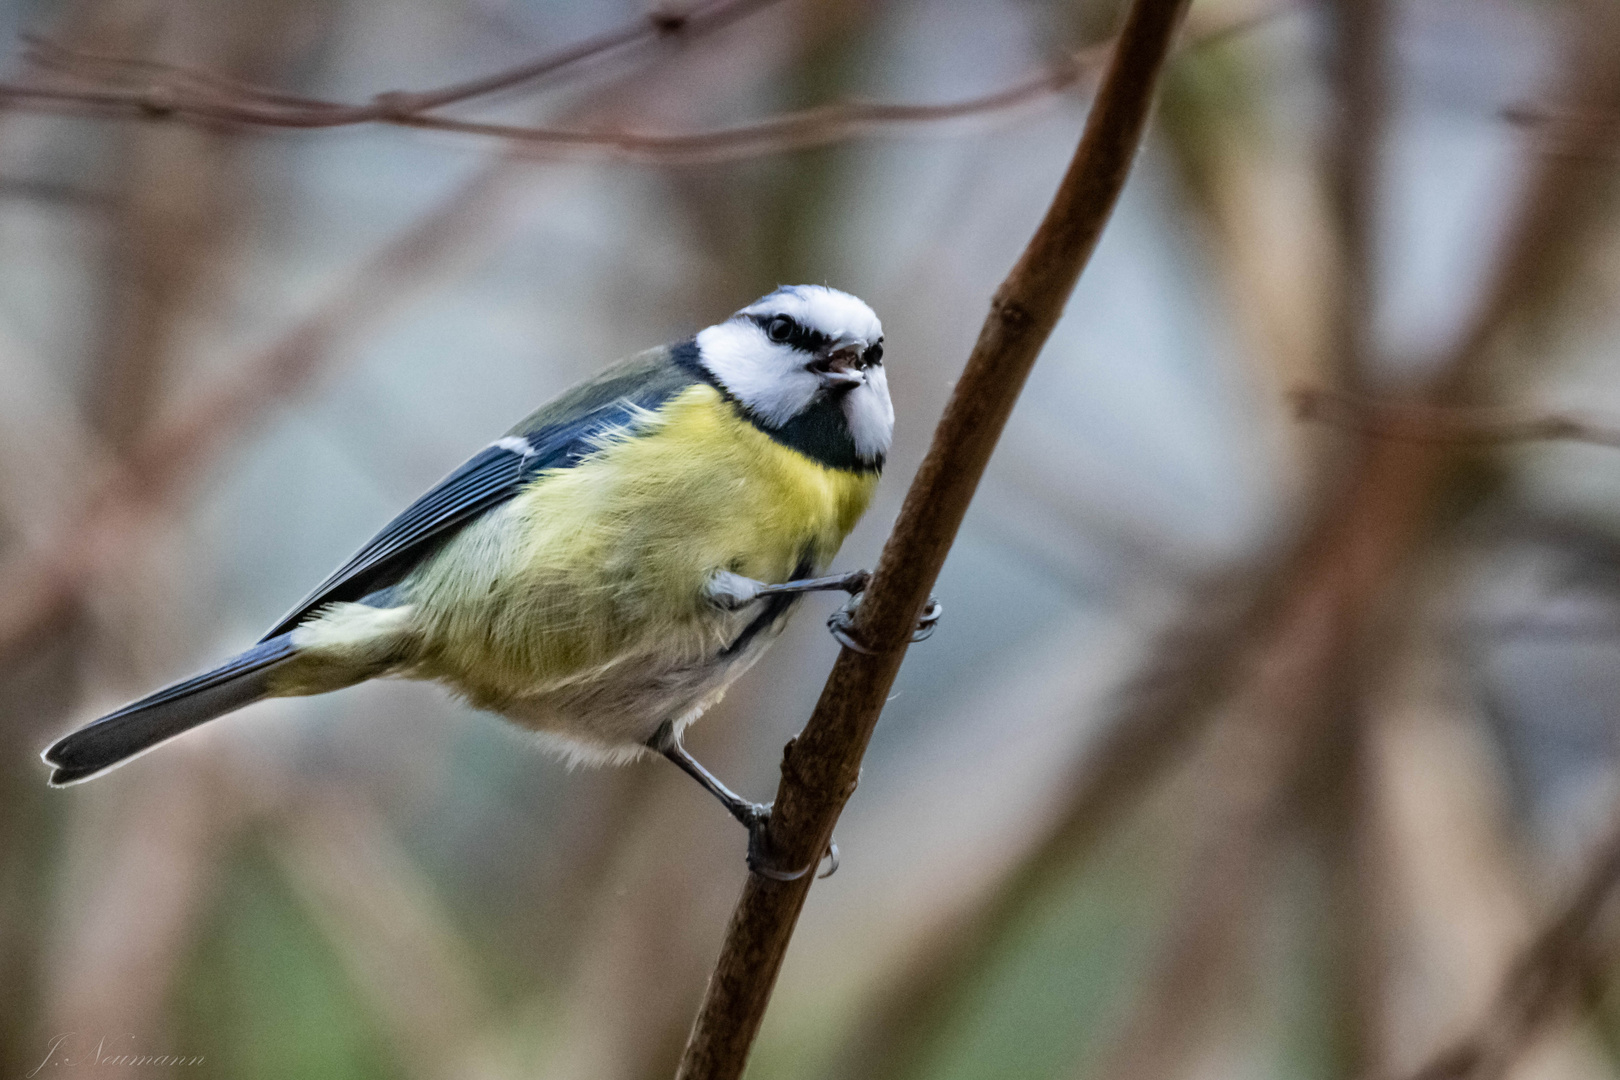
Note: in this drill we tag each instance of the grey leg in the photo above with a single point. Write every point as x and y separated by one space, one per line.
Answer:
733 591
853 583
755 817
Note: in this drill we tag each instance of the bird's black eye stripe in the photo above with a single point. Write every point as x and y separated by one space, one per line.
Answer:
785 330
874 355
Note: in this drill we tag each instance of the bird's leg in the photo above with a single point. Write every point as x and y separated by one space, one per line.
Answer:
733 591
755 817
853 583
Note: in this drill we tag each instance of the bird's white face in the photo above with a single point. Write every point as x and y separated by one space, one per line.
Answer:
801 347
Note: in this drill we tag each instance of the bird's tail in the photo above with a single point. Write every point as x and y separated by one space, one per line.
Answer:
141 725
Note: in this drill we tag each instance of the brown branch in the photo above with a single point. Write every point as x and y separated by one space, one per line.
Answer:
1549 975
806 128
224 101
1439 424
822 765
1339 792
182 90
824 122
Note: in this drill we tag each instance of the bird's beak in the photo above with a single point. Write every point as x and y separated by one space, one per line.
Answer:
841 369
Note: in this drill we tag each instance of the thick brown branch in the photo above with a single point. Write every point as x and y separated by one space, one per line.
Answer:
1435 423
822 765
1552 971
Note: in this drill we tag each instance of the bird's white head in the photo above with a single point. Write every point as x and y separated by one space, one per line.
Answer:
806 363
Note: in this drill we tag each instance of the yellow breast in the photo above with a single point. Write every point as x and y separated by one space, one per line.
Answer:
607 561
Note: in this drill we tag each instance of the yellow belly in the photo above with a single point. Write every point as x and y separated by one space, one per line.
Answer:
604 564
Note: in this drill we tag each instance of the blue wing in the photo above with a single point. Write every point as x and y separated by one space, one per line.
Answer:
558 436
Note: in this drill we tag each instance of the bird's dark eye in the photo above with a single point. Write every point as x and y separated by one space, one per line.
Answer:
874 355
779 329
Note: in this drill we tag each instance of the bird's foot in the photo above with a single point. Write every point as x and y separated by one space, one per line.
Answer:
764 862
841 623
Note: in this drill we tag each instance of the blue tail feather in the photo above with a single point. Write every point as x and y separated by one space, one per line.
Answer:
141 725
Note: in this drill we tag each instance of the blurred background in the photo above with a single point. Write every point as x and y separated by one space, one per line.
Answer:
1260 738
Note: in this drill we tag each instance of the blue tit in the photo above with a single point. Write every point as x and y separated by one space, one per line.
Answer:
600 574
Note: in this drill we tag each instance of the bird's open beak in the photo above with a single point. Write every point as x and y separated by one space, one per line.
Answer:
841 369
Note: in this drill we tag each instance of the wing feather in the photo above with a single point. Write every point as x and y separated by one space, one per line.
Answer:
559 435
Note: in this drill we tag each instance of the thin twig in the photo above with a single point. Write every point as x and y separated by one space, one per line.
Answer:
822 125
215 99
822 765
181 90
1434 423
1553 970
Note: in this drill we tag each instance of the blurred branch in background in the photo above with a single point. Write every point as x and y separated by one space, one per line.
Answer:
391 932
196 94
181 90
822 765
1337 783
1257 755
1355 161
1428 423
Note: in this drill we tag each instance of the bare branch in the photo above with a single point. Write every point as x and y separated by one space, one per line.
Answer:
822 765
218 100
1440 424
181 90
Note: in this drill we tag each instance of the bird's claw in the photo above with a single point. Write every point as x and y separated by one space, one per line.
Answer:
832 861
928 621
841 622
760 859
